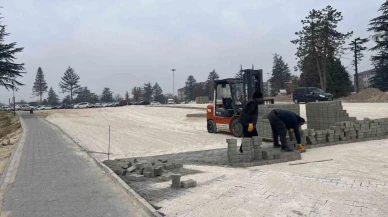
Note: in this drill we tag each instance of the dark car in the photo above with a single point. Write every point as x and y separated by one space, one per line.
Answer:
310 94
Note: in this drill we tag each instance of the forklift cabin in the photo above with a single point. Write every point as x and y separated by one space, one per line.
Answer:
230 95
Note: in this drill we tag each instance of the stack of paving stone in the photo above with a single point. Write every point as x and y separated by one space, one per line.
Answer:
233 156
271 153
323 115
257 151
310 138
264 128
247 147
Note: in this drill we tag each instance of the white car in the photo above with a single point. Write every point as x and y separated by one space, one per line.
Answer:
45 107
82 105
25 107
155 103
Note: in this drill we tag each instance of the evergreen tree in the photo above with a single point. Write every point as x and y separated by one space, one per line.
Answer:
107 95
213 75
147 92
40 85
70 82
9 70
239 74
308 77
339 82
319 40
158 93
137 93
118 98
190 88
83 95
280 74
66 100
52 98
94 98
45 102
126 96
379 26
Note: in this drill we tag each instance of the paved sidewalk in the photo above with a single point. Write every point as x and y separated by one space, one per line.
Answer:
56 178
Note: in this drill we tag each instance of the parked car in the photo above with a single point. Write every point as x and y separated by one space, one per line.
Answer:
155 103
45 107
24 107
310 94
82 105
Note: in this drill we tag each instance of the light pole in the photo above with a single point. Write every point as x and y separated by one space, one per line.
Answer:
268 84
173 80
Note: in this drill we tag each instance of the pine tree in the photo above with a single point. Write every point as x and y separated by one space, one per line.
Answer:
118 98
137 93
52 98
158 93
147 92
66 100
9 70
70 82
239 74
280 74
126 96
320 40
40 85
83 95
190 88
339 82
107 95
213 75
379 26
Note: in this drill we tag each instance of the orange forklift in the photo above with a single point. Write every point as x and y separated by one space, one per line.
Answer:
229 97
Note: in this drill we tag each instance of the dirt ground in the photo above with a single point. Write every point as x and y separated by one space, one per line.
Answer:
150 130
10 129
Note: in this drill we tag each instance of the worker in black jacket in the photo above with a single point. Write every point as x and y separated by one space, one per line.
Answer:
249 114
282 121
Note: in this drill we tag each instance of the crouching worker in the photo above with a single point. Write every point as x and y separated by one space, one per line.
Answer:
249 114
282 121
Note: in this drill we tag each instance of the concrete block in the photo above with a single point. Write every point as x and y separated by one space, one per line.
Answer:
178 165
176 180
131 169
135 177
165 177
147 174
158 171
188 184
168 166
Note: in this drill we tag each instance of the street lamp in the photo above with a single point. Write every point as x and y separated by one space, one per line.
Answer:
268 84
173 85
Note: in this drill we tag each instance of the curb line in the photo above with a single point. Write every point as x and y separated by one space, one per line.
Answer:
137 200
12 165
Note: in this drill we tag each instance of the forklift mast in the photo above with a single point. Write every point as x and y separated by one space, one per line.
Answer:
252 81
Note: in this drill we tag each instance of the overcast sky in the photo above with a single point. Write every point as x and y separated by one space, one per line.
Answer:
124 43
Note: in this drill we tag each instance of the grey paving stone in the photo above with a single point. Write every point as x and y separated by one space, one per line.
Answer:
55 178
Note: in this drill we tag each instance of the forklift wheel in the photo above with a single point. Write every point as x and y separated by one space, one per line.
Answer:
236 128
211 126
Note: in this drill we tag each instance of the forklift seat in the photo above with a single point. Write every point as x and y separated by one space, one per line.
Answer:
227 110
227 102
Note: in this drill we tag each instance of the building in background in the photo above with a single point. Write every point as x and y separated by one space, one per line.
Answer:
182 94
266 88
363 78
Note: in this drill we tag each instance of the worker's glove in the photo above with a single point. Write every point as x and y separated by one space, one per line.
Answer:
250 127
291 130
301 148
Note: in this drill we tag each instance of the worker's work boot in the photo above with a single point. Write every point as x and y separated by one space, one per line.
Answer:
285 147
276 146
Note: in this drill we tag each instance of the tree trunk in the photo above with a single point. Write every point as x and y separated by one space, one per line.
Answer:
41 98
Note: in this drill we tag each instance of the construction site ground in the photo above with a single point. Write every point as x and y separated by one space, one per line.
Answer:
353 183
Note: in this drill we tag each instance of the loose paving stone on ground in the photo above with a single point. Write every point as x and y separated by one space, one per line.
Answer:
56 178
